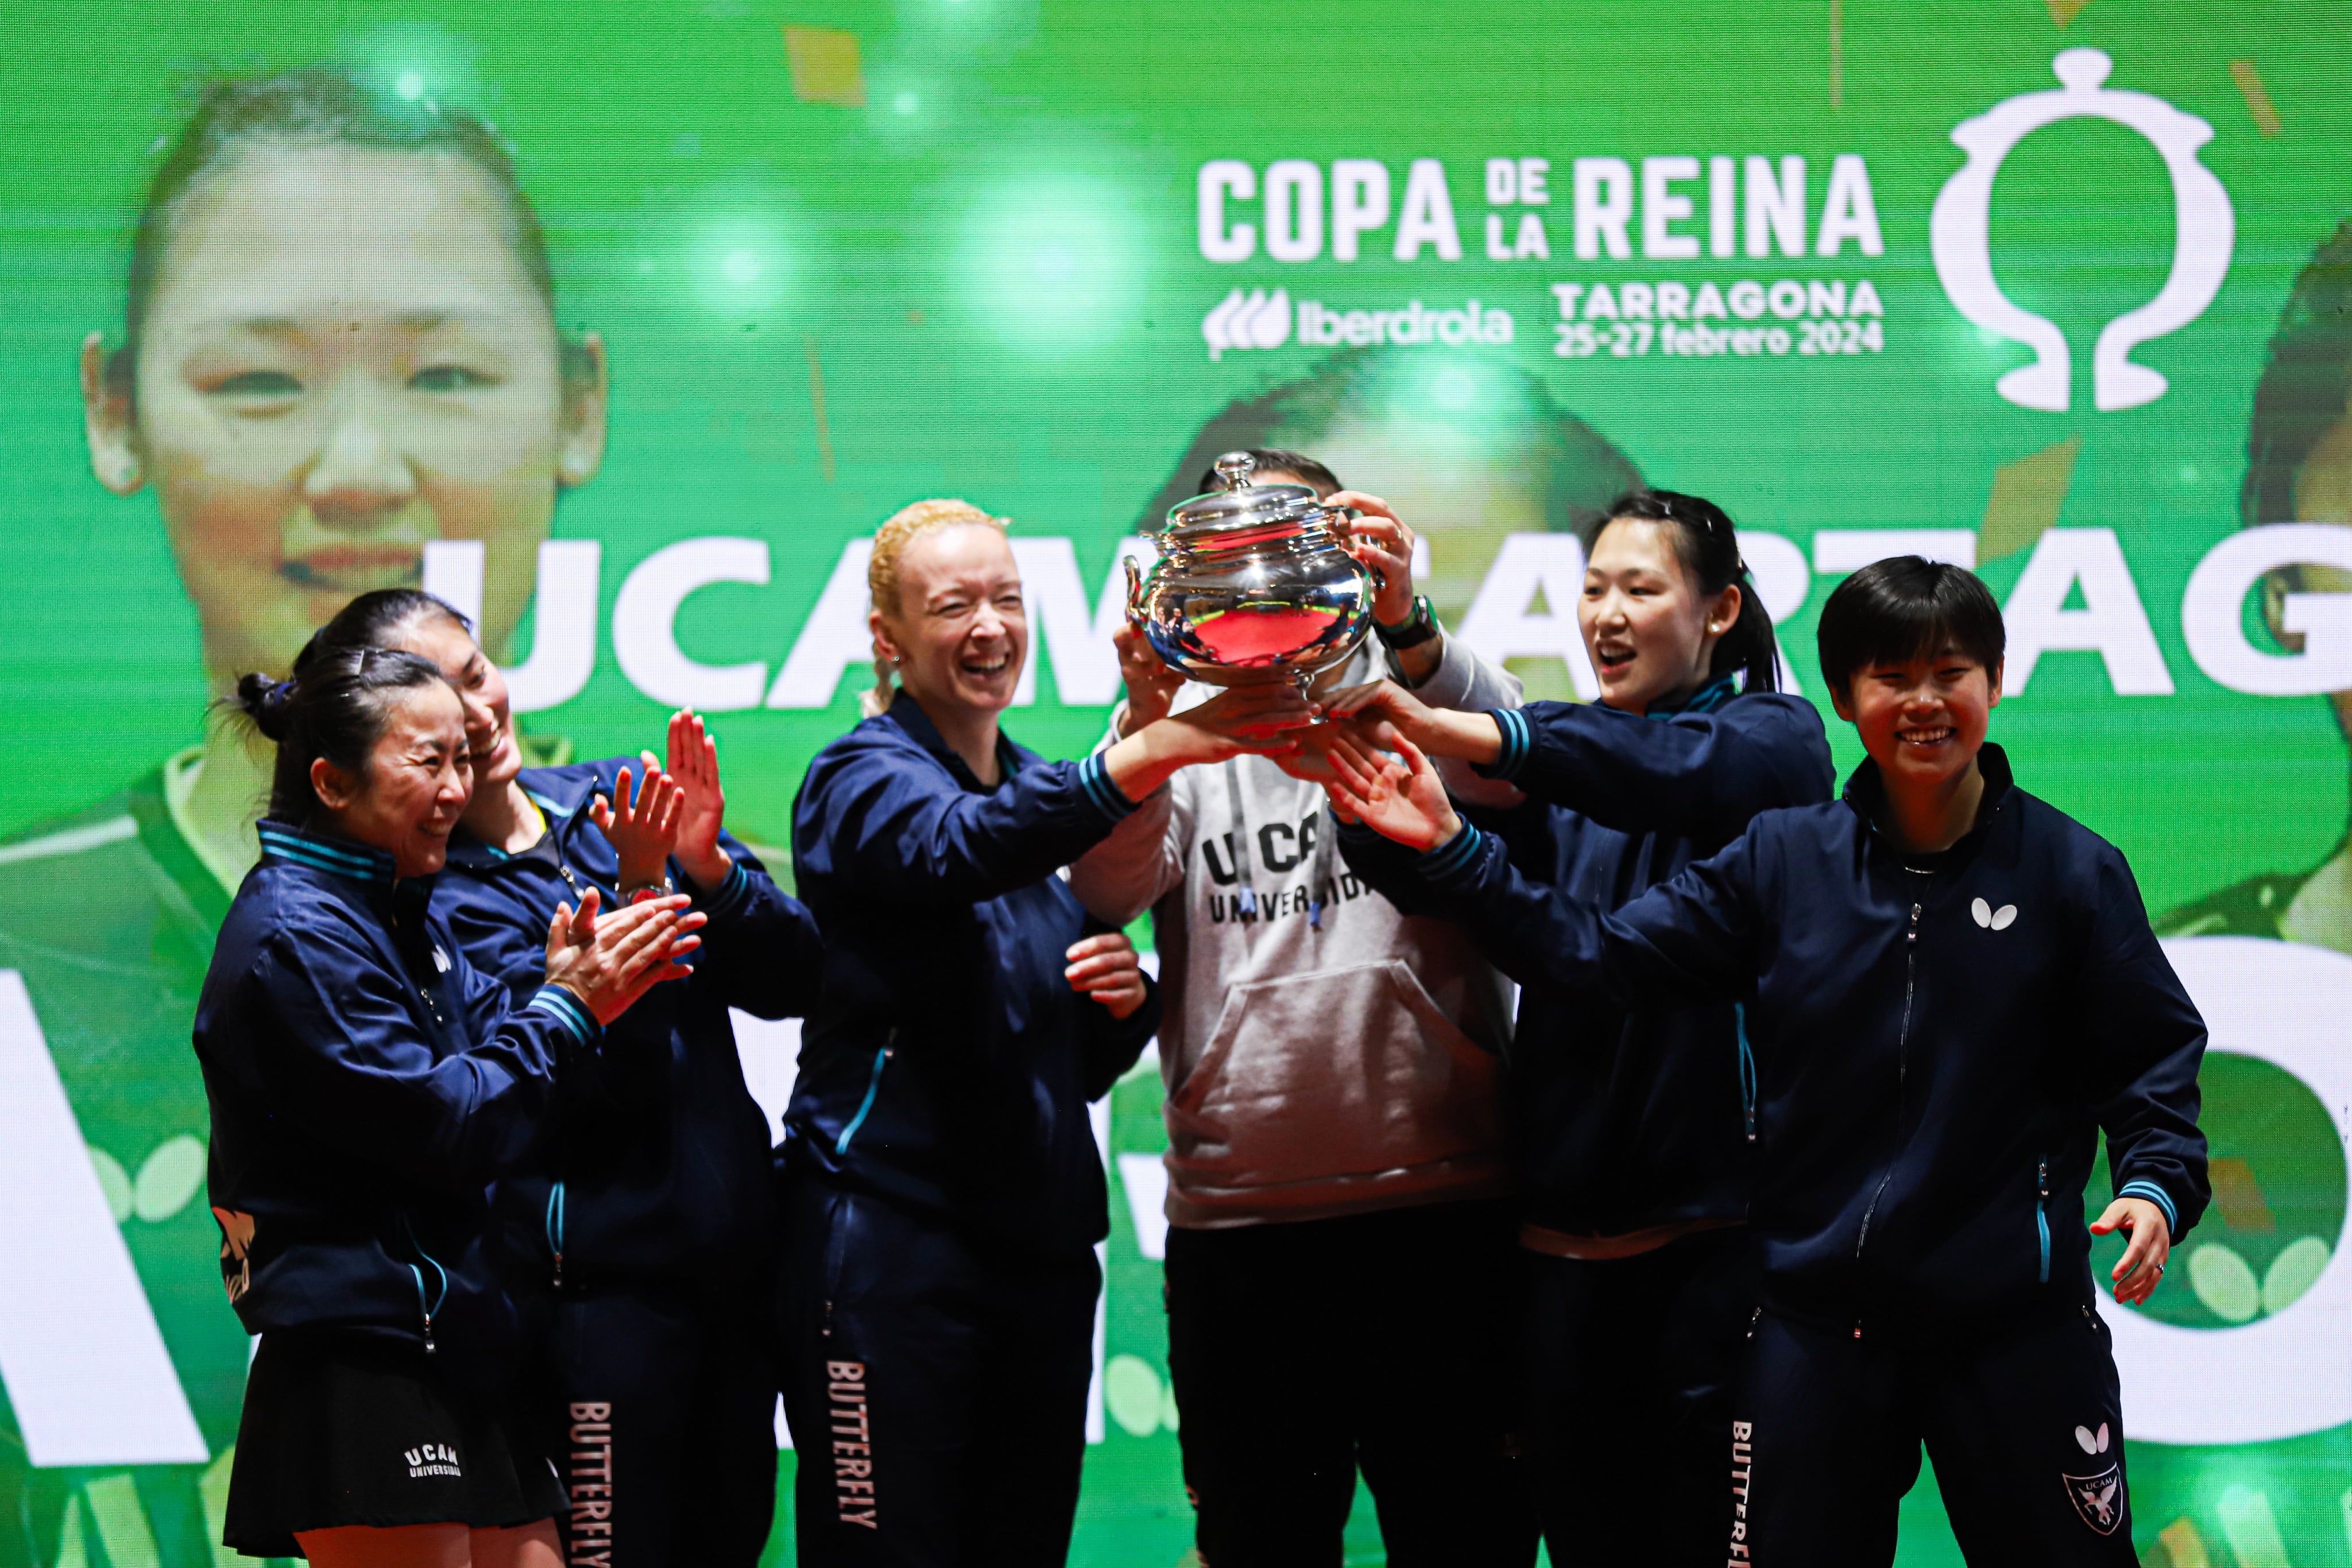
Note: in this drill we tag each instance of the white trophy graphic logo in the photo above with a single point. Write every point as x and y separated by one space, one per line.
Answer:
2205 231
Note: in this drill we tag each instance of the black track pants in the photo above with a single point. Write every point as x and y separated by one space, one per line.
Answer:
2024 1424
1300 1351
938 1397
665 1417
1630 1367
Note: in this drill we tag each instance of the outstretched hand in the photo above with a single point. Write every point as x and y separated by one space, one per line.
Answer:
641 823
1401 799
1261 716
2141 1267
1440 732
702 804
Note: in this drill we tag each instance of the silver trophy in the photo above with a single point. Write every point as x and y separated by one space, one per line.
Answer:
1252 579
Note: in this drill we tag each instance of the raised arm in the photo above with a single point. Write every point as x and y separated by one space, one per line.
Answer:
1692 938
1700 776
911 833
1464 682
762 951
868 821
1141 860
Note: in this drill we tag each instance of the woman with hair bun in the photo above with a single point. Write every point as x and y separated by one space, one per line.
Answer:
943 1191
1631 1127
366 1084
642 1230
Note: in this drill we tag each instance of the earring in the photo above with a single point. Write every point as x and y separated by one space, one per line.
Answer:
126 471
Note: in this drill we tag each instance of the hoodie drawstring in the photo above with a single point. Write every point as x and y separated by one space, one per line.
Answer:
1245 896
1327 834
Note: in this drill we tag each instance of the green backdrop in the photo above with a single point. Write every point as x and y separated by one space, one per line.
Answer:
840 256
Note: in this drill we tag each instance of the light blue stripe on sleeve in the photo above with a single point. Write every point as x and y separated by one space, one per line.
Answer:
1515 742
1453 858
565 1008
2157 1195
731 893
1095 780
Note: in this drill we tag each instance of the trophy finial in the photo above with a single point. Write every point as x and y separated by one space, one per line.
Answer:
1234 468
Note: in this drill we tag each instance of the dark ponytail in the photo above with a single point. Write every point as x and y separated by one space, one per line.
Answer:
335 706
1708 549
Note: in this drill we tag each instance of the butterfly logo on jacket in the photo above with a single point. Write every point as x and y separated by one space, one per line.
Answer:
1992 919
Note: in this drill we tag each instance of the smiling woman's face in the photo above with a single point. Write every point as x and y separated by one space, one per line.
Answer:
342 359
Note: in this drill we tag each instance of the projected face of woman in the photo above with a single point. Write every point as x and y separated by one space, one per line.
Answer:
2322 494
342 359
1463 491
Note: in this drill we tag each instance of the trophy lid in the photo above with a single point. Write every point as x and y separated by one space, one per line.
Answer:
1241 502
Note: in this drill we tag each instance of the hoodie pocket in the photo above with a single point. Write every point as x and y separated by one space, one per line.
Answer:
1336 1073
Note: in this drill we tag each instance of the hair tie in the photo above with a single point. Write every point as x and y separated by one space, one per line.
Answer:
280 694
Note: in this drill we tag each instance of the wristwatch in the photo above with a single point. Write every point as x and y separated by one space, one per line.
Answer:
1418 628
661 889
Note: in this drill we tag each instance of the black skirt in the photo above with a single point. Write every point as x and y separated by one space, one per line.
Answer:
338 1432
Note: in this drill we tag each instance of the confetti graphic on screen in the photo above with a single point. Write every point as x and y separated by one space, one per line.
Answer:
2258 97
824 65
2027 495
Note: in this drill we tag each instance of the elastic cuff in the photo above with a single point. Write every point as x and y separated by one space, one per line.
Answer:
1094 779
2157 1195
1516 741
1453 859
730 895
566 1009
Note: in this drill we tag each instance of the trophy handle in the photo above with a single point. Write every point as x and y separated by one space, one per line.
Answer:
1134 592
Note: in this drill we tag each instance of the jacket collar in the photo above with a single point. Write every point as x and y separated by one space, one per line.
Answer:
1865 789
1706 699
371 870
559 800
908 716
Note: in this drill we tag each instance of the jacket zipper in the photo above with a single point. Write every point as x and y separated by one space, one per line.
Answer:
2042 1219
1902 1073
555 1229
426 1309
1746 1069
873 1088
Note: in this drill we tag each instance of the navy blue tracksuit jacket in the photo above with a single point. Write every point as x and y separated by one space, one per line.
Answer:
1654 1129
948 1065
658 1171
367 1084
1938 1040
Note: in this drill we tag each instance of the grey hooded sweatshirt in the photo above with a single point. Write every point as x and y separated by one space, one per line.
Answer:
1322 1055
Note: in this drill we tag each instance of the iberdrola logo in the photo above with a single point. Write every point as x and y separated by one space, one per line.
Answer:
2204 233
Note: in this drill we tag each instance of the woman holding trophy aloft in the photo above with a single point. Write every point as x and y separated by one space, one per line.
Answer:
1341 1241
943 1192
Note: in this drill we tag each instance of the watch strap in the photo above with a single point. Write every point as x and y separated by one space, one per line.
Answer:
1418 628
